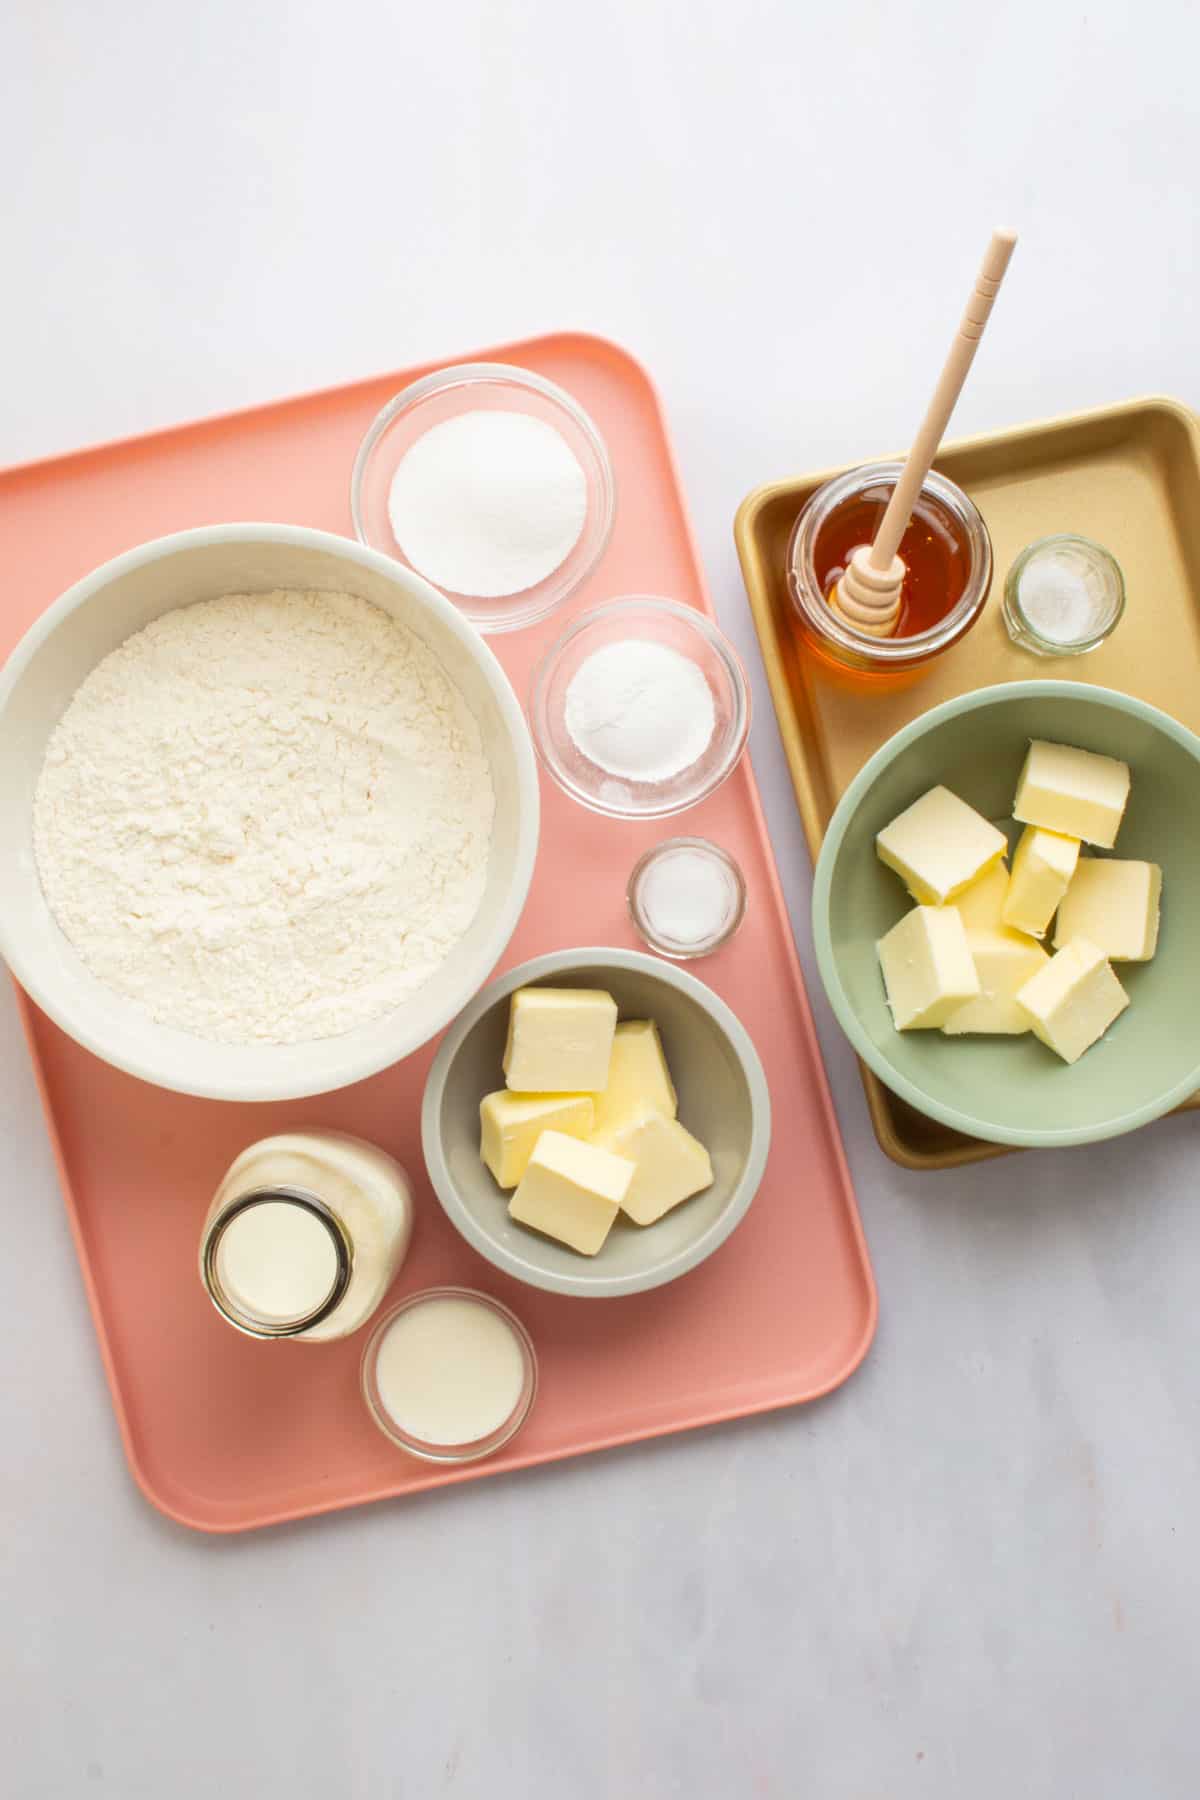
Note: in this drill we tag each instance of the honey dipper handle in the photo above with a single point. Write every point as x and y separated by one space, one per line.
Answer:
925 445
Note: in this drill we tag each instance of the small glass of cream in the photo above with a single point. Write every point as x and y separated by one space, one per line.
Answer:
449 1375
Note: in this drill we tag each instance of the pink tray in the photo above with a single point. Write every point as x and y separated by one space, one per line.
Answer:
224 1434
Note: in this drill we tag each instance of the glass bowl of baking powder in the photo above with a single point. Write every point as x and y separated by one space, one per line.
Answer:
493 484
641 709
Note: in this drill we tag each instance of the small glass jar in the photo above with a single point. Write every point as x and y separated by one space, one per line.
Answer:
687 897
449 1375
944 515
1063 596
305 1235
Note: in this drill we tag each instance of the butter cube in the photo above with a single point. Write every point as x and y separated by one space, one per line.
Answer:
671 1165
981 906
1042 868
1076 792
1074 999
1004 961
572 1191
559 1040
1114 905
939 845
927 967
511 1124
639 1081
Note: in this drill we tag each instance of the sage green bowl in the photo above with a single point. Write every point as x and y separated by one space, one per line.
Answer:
1015 1090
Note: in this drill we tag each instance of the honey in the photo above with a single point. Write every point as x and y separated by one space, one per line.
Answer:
948 569
934 550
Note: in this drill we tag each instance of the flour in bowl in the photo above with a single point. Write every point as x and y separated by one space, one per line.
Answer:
266 818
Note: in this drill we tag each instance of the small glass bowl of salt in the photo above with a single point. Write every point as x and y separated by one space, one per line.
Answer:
686 897
641 709
1063 596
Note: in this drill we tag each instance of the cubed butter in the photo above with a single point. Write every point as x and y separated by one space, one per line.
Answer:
1114 904
511 1124
939 845
981 905
670 1165
572 1191
1042 868
639 1081
1076 792
1074 999
927 967
559 1040
1004 961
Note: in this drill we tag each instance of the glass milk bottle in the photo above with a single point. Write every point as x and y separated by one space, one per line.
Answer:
305 1235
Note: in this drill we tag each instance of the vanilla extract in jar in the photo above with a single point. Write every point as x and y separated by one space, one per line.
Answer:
305 1235
947 557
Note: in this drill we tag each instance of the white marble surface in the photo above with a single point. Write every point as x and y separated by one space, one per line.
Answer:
972 1572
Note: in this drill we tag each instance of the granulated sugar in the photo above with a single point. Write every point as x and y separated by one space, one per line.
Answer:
488 503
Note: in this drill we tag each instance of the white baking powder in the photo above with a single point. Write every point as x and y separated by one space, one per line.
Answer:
640 709
488 503
266 817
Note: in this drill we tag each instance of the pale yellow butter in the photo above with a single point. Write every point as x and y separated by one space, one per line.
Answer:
1074 999
981 905
939 845
927 967
1042 868
670 1165
572 1191
1115 905
511 1124
559 1040
1076 792
1004 961
639 1081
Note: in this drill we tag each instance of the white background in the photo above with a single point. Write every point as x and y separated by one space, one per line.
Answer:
972 1572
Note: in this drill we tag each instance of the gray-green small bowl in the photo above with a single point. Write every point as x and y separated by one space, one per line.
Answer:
1015 1090
723 1099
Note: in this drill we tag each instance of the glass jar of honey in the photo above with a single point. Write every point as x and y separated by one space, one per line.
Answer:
947 557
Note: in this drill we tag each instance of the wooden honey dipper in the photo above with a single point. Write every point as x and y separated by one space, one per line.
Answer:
868 594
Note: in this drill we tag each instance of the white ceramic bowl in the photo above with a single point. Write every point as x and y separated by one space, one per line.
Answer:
99 613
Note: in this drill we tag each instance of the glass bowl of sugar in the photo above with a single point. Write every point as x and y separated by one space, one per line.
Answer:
493 484
641 709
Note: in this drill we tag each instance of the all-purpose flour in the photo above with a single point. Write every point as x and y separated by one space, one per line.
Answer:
266 817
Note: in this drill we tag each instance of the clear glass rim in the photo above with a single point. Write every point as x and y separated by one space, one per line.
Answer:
476 1447
552 593
739 685
1012 599
233 1314
860 646
667 946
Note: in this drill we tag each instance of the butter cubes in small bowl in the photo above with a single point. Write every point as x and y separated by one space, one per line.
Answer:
602 1189
1027 994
